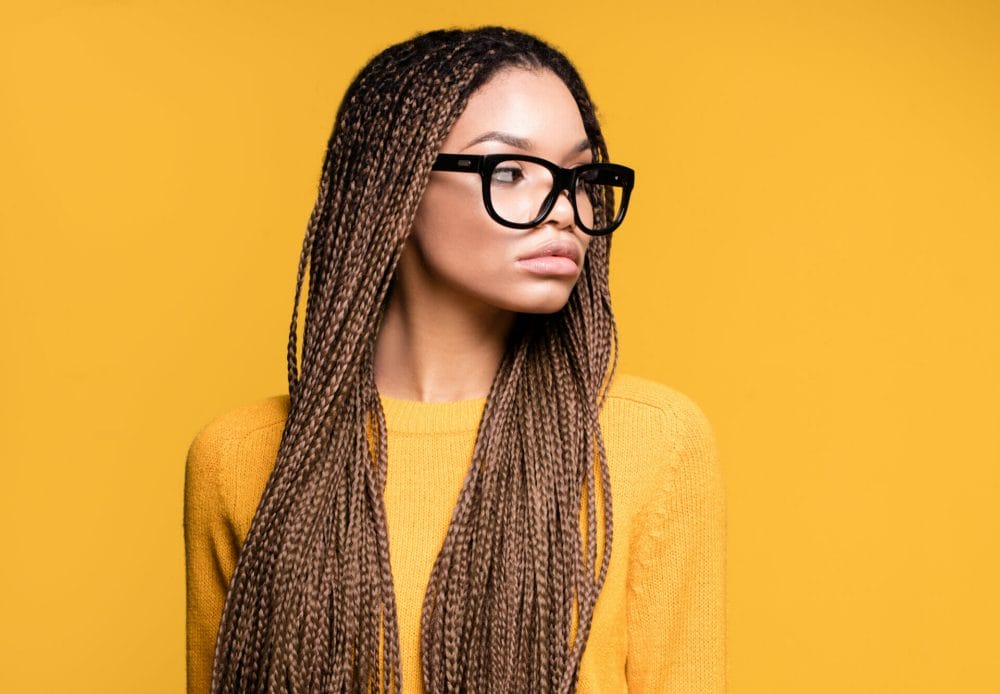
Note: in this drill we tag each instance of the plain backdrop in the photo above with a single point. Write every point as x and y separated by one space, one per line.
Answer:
812 255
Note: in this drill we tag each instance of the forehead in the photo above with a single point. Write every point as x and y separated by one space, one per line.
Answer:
534 105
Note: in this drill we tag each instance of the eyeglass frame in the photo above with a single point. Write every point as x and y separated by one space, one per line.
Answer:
562 179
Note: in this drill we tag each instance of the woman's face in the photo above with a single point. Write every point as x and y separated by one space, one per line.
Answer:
455 247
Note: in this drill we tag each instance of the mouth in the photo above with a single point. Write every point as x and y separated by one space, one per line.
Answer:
562 248
556 258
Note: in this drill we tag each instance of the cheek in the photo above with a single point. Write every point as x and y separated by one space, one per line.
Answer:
441 217
455 233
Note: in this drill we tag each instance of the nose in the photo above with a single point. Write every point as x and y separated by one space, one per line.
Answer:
561 213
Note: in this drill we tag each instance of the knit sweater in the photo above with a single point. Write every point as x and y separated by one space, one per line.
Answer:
660 619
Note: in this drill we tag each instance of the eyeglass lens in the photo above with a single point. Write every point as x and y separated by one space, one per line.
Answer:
518 190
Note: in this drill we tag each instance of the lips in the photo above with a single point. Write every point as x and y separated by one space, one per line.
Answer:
558 248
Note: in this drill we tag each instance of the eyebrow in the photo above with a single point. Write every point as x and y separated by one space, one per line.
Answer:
519 142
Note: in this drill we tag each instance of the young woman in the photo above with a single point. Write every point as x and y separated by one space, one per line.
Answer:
430 506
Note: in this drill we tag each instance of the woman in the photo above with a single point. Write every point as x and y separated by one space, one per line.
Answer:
430 507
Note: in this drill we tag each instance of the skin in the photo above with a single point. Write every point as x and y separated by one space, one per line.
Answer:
459 285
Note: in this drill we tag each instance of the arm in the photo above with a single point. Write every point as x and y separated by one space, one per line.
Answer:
677 594
211 549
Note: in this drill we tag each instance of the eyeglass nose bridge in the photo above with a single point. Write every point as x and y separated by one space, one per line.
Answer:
562 180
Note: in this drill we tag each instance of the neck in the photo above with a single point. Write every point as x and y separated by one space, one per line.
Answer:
435 347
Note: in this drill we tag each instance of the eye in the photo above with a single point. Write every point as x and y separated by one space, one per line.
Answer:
507 173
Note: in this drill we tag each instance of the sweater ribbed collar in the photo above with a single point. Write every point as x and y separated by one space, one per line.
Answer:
415 416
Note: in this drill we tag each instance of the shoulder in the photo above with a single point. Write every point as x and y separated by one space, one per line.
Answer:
678 417
660 443
231 456
237 423
232 427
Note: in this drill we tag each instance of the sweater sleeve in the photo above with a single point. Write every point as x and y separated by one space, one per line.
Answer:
211 549
677 594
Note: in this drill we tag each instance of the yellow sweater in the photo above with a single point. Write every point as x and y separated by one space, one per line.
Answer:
659 623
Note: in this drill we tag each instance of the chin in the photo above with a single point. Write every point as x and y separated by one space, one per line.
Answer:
547 309
552 303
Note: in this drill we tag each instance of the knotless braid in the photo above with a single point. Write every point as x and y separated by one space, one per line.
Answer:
311 605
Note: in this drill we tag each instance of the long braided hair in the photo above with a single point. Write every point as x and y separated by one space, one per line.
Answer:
508 606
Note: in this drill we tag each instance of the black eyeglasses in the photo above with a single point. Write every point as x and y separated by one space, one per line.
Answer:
520 191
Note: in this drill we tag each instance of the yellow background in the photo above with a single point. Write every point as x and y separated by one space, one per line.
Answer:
812 255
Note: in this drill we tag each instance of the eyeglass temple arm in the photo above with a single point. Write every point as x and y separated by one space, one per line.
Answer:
457 162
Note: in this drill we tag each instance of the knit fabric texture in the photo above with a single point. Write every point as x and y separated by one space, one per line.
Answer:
660 621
